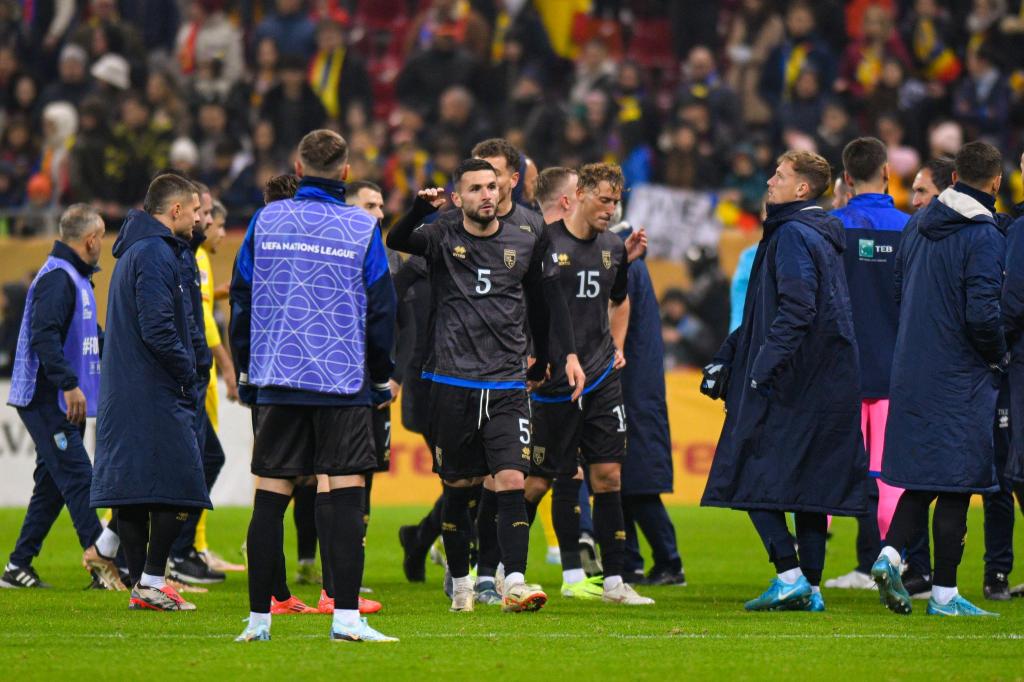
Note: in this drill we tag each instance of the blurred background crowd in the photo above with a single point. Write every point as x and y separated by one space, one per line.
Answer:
97 95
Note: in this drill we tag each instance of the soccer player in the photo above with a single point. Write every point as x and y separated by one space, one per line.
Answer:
556 193
590 266
949 355
315 312
55 385
148 465
483 272
933 178
873 228
789 377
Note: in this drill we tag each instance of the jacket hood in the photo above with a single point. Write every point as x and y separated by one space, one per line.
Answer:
140 225
950 212
810 214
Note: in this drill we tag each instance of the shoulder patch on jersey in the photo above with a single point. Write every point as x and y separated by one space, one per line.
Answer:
606 259
510 258
459 251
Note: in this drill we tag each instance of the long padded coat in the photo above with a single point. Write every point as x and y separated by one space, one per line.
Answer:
794 442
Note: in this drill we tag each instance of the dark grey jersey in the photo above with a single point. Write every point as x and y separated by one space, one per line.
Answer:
523 217
591 273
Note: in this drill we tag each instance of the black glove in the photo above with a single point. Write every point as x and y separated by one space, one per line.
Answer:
716 381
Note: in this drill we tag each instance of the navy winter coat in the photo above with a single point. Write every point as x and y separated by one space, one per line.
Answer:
793 443
146 450
942 403
647 469
1013 323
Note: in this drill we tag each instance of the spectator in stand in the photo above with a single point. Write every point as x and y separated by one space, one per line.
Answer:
105 32
927 29
211 130
291 29
756 28
25 100
595 70
209 35
577 147
18 150
860 69
460 118
801 47
265 73
744 184
337 74
137 149
684 166
165 100
60 123
835 130
701 81
9 70
444 64
184 156
112 75
73 84
981 102
292 107
87 156
472 30
47 26
804 109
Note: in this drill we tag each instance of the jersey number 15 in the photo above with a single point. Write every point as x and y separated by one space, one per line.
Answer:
590 285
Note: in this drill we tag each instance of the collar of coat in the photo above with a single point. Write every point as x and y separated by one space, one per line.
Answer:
965 201
777 214
65 252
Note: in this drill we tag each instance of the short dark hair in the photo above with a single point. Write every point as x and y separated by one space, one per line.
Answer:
470 166
353 188
550 182
496 147
280 187
163 190
977 163
323 152
864 157
941 167
811 167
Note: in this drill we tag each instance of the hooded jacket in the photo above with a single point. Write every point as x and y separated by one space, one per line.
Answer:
791 439
944 386
146 449
1013 323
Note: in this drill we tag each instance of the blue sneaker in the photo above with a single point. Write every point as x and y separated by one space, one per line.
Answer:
486 593
890 586
957 606
816 603
360 632
782 596
255 633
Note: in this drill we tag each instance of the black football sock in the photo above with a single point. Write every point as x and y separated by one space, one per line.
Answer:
429 528
565 516
265 547
455 529
487 534
164 528
324 526
513 530
531 511
304 514
366 499
281 591
610 529
949 528
133 529
346 541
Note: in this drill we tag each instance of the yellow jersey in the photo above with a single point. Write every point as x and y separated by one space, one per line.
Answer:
212 332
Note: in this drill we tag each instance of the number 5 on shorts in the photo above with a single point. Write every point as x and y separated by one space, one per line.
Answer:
524 430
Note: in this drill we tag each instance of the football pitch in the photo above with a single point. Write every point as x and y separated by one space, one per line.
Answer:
700 630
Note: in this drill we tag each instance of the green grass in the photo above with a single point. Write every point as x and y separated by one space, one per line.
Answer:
697 630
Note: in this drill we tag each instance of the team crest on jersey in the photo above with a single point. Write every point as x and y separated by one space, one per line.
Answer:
606 259
538 455
510 258
459 251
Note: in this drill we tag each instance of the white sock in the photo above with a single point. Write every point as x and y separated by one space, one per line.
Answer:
791 576
892 555
465 582
306 562
10 567
148 580
573 575
815 589
482 579
943 595
108 543
346 617
611 582
259 619
514 579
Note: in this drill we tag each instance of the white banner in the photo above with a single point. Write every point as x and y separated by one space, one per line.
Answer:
18 454
674 219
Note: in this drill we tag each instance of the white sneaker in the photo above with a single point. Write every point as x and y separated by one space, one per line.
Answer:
854 580
625 594
463 598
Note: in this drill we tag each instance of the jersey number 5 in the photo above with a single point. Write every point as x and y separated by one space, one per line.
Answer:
483 281
590 285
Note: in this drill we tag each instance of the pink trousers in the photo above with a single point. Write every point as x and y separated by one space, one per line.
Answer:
873 414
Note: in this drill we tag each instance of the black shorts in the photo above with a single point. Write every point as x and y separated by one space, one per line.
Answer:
590 431
382 438
302 440
476 432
